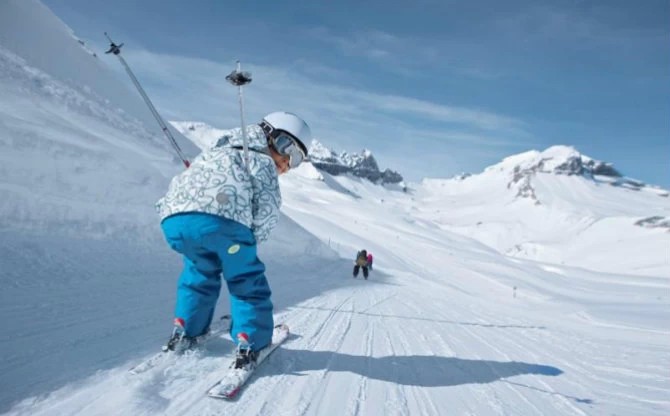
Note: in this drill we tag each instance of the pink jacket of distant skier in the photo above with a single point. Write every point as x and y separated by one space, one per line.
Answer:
369 258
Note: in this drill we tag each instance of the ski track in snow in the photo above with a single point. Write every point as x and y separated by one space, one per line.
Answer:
396 344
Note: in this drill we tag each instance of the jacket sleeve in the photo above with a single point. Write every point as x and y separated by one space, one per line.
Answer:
266 199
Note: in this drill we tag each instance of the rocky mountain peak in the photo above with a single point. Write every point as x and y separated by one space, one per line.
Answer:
362 165
559 160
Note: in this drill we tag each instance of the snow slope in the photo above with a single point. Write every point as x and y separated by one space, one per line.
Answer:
448 323
436 333
56 144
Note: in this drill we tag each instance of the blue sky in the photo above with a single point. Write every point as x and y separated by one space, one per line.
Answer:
433 89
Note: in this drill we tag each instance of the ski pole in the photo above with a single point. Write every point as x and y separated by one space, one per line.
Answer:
116 50
239 78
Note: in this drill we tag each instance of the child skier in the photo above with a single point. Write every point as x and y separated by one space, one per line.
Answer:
370 261
361 262
214 213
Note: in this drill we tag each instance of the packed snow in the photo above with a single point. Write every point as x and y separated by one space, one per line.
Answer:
491 294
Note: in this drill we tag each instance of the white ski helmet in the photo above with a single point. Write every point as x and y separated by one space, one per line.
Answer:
291 124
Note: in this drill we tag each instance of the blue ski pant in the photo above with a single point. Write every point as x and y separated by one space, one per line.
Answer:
213 246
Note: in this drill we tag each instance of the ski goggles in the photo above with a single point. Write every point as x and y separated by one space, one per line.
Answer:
286 145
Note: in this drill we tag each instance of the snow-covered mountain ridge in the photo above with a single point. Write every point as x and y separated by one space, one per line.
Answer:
362 165
563 160
201 134
527 203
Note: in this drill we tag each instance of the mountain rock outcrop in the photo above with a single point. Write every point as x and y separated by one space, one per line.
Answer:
563 160
362 165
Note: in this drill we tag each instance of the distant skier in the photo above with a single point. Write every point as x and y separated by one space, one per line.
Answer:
214 213
370 261
361 262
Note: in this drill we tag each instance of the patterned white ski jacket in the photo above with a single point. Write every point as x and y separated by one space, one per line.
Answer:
218 183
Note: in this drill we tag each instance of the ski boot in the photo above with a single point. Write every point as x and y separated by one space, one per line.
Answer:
245 358
179 342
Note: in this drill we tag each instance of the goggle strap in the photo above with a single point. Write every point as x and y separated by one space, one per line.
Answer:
267 128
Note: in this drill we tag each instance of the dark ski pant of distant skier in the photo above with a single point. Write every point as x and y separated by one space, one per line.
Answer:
212 245
365 271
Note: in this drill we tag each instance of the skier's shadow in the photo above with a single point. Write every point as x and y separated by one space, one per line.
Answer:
409 370
412 370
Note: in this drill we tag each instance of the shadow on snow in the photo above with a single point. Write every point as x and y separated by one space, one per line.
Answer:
413 370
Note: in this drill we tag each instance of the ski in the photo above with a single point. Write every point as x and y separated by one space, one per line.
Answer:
235 379
219 327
